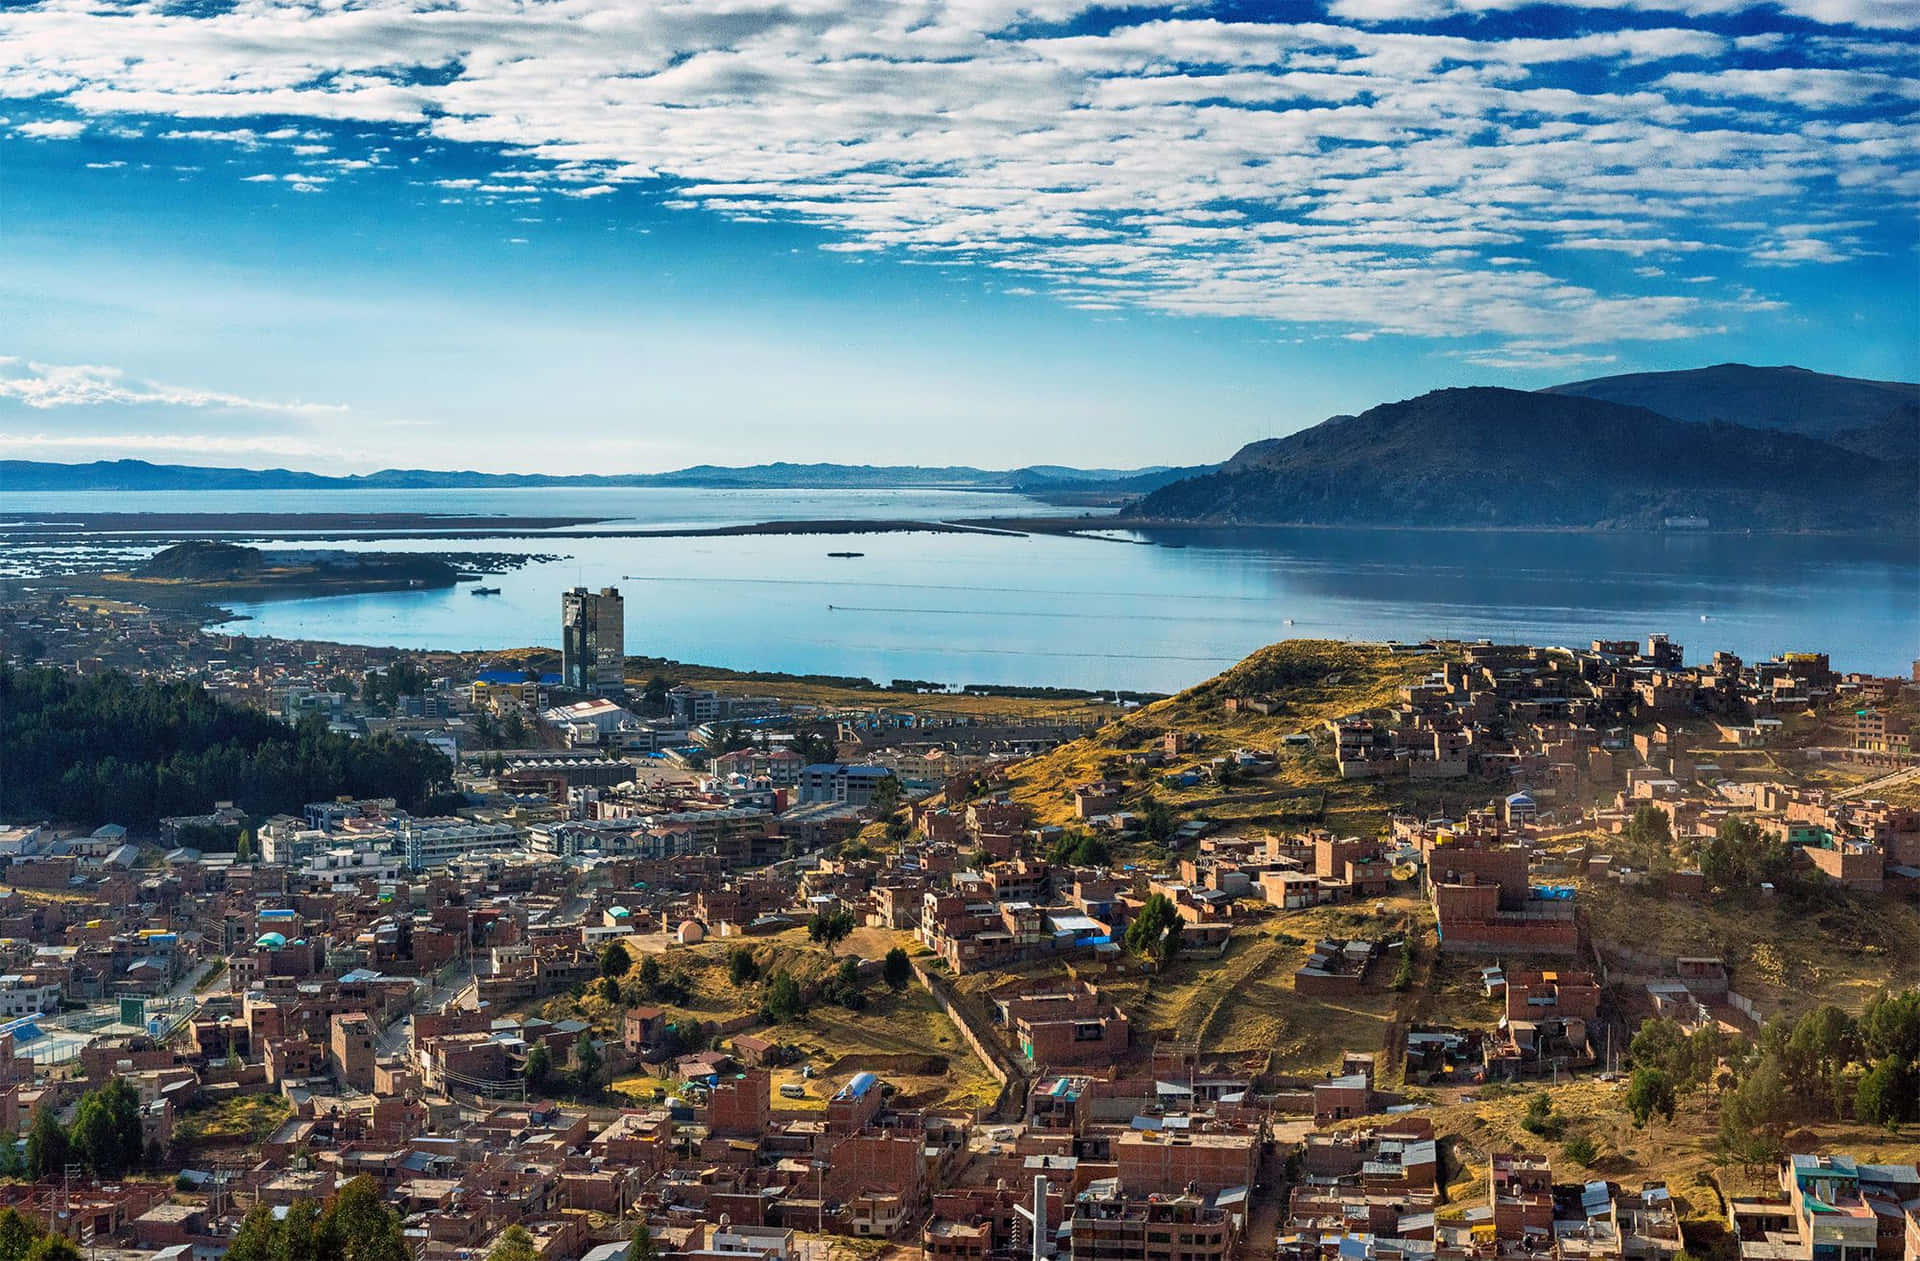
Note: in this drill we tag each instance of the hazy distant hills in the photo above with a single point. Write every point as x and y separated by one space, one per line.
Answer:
1513 458
1878 418
138 475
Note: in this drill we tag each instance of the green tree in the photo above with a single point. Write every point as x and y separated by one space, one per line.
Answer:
1890 1026
844 988
123 1106
1754 1115
1539 1118
784 1000
1823 1042
586 1065
515 1245
17 1235
48 1148
742 969
649 975
1080 849
94 1139
254 1241
1740 856
885 797
614 961
1884 1096
1155 931
243 847
830 928
539 1066
1580 1150
1650 1094
1649 826
1157 821
362 1227
53 1248
897 970
641 1248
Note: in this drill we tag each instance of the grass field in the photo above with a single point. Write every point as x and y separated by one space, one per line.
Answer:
1319 679
1681 1152
903 1037
241 1119
1243 1004
1783 958
809 692
893 1031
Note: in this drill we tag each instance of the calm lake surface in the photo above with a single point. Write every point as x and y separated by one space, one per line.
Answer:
1154 611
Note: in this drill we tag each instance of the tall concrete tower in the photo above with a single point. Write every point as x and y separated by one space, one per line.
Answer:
593 641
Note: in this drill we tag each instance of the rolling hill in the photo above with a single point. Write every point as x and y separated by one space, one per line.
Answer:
1484 457
139 475
1876 418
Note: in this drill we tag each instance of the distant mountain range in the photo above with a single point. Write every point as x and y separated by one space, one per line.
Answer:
1750 448
1877 418
137 475
1733 446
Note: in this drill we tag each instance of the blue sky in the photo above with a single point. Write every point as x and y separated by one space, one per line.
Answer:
589 235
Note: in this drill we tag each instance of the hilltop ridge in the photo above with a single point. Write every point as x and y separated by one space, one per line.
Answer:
1490 457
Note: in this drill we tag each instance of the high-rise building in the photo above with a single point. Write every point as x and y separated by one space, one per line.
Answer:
593 641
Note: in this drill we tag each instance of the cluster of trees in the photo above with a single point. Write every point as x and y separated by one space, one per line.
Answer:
1827 1065
581 1074
105 1137
1157 821
508 732
175 749
1541 1119
1740 857
1650 1093
24 1239
1155 931
783 997
829 928
355 1225
885 798
1080 849
402 678
1649 828
1689 1060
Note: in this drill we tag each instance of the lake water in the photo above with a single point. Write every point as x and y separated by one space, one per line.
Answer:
1158 611
637 507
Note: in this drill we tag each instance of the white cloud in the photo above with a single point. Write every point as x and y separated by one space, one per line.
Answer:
1321 174
52 128
44 386
68 444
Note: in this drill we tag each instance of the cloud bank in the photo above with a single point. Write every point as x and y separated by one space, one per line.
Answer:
1376 171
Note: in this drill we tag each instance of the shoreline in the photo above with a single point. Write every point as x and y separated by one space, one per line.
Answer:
140 529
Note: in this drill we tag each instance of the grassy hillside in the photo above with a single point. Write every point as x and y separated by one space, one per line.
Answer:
1313 679
904 1037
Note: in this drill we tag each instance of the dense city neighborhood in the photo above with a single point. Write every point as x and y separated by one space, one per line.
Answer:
1407 951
